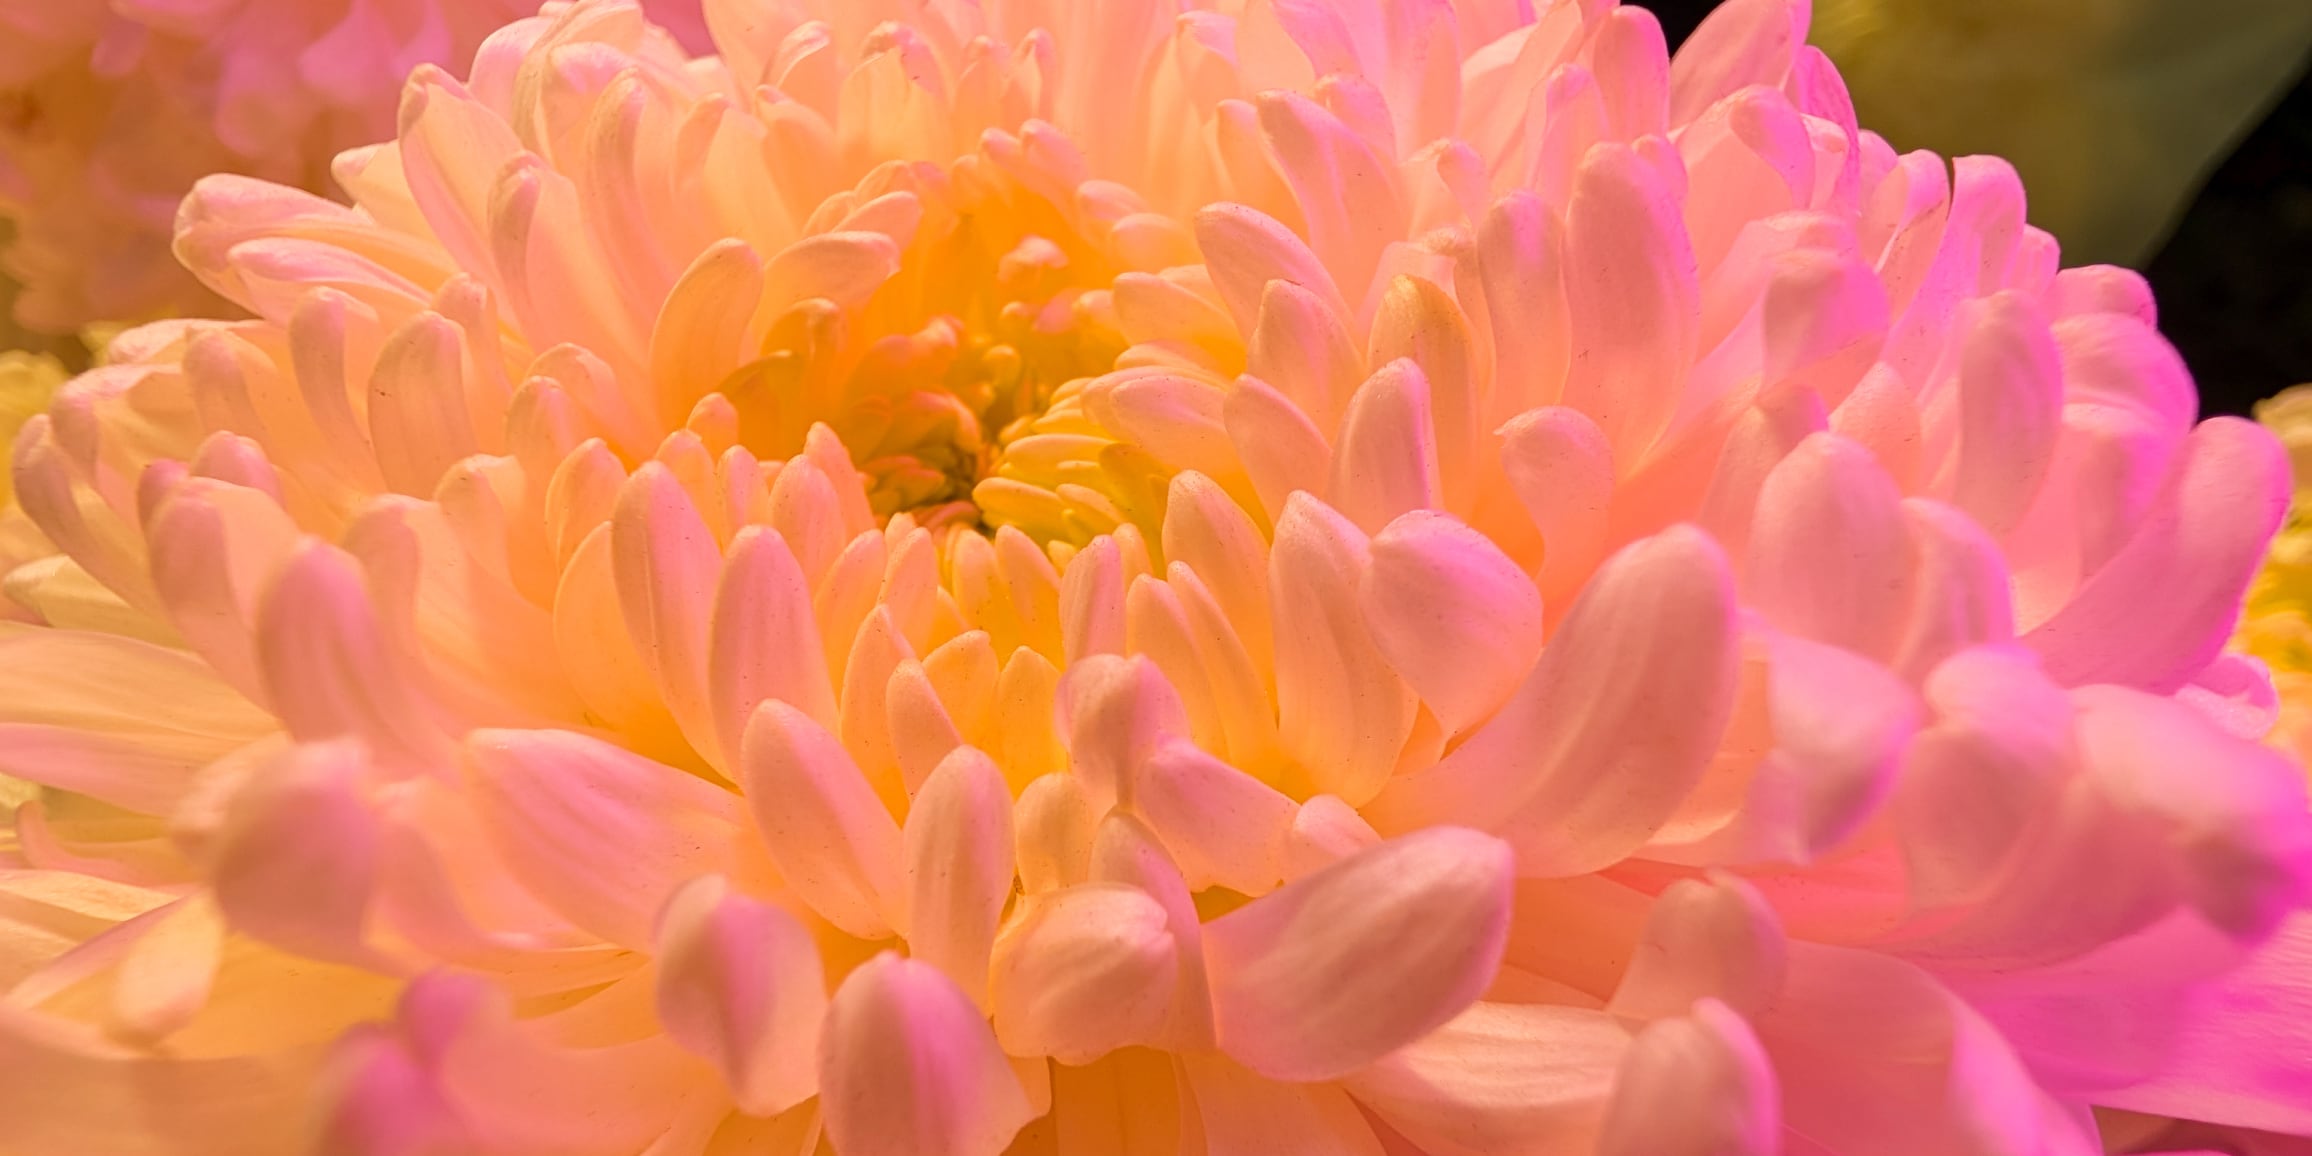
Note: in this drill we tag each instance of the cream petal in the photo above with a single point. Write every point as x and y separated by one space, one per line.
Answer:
822 823
1457 619
124 721
1244 1114
958 844
1115 713
740 983
1698 1085
1206 529
552 800
1337 969
1420 322
1586 761
666 561
1083 971
908 1068
1054 821
1500 1080
1341 712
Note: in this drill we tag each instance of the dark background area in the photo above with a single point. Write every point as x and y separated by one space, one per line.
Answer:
2234 280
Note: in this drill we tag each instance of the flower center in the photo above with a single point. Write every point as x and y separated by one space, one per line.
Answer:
961 355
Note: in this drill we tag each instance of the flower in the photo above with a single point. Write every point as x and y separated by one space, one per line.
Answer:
111 109
1310 578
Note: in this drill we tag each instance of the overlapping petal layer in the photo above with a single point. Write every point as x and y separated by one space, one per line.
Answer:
1394 578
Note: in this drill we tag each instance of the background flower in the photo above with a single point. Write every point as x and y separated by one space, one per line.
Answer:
111 109
1069 579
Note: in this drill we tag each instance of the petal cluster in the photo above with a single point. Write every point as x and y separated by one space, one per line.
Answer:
110 111
1056 578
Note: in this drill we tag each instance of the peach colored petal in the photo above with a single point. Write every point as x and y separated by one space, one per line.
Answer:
908 1068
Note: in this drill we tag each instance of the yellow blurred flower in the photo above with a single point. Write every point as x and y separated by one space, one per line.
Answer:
2113 110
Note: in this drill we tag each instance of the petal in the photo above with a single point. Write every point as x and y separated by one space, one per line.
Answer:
2010 400
297 858
667 561
1960 593
739 982
1562 467
958 843
1715 940
1055 823
1829 556
2192 556
1631 297
1500 1080
1603 740
1341 712
2243 1058
1419 322
1224 827
1244 1114
1115 713
553 800
1302 348
763 639
1246 249
1083 971
1743 43
113 718
1284 452
908 1068
821 822
1457 619
1520 253
1695 1086
1335 970
1385 459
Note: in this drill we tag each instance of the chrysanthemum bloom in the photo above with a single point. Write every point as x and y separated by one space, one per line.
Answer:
111 109
1316 578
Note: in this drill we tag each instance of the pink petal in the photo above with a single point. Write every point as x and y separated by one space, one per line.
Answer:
1960 593
1631 297
739 982
2010 400
1520 253
297 859
1829 559
1704 939
1420 322
1613 727
908 1068
2243 1058
821 822
1458 620
1246 249
763 638
2192 556
1115 713
1302 348
1340 968
1741 43
1385 459
667 562
1224 827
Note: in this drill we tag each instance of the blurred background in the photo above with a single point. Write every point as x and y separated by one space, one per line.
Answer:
2170 136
